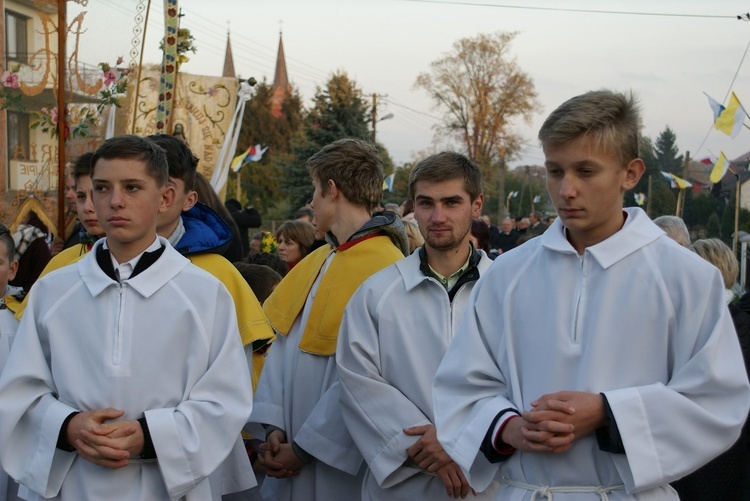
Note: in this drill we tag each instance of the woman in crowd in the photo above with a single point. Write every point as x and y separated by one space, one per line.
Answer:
295 239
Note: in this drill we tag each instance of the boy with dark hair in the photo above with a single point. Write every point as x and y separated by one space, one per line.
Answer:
308 452
631 378
200 234
126 380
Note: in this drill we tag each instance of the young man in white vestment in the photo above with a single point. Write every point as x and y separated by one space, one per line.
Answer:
631 378
127 379
309 454
395 331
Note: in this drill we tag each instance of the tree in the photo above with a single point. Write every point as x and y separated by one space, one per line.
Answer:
339 111
666 151
663 201
261 180
481 91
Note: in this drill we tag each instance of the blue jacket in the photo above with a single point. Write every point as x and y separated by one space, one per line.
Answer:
205 231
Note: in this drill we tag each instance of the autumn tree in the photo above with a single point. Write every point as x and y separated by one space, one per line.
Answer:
481 92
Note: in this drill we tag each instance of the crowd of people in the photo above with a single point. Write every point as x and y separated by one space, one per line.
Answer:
368 352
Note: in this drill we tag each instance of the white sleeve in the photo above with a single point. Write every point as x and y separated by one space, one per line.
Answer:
670 430
30 414
325 436
374 411
194 438
268 403
469 390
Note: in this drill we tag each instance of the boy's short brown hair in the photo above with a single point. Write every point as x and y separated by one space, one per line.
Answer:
356 168
612 119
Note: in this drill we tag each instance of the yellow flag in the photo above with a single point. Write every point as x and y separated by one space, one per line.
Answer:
720 168
731 119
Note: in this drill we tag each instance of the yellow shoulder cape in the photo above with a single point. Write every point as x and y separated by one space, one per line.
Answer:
351 265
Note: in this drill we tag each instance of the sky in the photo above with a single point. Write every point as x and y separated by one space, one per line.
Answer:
668 52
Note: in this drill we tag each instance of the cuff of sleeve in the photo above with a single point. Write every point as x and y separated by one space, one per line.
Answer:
497 442
271 428
302 453
608 437
62 438
488 447
149 451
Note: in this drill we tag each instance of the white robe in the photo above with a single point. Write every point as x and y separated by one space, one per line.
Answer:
8 328
638 318
299 393
164 344
395 332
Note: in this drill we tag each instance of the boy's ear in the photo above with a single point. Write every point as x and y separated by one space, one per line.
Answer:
633 172
12 269
167 198
190 201
333 190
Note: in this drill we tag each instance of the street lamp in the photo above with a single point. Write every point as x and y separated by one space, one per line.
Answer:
384 117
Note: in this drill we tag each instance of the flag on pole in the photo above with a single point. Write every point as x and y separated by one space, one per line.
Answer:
716 107
640 198
512 194
720 168
730 119
675 181
388 182
252 154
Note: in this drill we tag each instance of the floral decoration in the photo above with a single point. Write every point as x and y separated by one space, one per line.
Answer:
10 92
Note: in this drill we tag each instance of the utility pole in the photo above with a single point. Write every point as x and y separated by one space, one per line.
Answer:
374 114
375 118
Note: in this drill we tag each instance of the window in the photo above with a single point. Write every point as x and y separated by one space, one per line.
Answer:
18 136
16 37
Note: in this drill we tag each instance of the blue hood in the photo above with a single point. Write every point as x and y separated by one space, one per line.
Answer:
205 231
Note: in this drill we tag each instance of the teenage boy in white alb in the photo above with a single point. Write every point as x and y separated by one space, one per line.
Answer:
631 377
308 454
127 379
395 331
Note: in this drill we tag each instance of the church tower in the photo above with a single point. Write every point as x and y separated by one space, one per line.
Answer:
229 61
281 87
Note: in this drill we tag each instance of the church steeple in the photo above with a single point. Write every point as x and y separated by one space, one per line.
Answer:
280 77
229 60
281 85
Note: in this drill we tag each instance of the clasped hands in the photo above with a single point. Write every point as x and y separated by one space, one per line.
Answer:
429 455
554 421
277 456
110 444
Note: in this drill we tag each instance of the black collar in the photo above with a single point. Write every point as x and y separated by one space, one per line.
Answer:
104 260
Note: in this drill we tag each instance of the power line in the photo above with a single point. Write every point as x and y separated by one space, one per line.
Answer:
587 11
391 101
729 90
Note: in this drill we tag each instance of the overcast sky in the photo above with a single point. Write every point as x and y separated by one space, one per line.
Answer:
668 59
